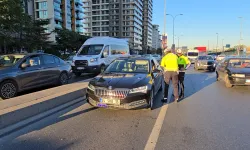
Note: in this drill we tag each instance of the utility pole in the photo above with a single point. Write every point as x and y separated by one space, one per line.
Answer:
223 45
165 23
217 43
241 18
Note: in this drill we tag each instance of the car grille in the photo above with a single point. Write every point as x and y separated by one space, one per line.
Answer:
111 93
81 63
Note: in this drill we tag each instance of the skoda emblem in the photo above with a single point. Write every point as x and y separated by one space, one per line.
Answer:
110 87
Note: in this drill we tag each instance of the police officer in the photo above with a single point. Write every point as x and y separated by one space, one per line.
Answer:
170 65
183 64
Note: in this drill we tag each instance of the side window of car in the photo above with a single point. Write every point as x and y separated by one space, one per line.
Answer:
105 52
153 65
57 60
48 59
33 61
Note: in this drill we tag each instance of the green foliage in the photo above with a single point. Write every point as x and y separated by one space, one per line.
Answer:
69 40
18 30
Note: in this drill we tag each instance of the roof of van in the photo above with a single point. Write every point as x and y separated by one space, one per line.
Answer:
106 40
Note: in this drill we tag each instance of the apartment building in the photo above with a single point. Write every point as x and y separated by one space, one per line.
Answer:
61 14
117 18
156 37
147 24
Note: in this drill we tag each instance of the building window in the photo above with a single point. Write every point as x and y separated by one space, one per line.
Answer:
41 5
42 14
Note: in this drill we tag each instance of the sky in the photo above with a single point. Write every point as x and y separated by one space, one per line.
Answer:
202 19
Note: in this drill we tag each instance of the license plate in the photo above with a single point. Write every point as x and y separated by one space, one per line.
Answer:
110 101
102 105
248 81
80 68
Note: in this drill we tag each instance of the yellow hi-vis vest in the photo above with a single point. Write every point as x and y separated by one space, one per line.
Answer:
170 62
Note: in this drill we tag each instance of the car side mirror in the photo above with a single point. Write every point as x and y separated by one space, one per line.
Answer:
24 65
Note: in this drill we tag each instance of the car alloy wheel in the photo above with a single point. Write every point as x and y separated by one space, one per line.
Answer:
63 78
8 90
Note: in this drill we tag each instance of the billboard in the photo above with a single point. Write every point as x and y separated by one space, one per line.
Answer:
164 41
227 45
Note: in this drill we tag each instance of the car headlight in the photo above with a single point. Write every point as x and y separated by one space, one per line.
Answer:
91 87
239 75
93 59
142 89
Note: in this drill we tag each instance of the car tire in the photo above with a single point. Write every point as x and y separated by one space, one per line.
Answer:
102 68
78 74
151 100
8 89
227 82
63 78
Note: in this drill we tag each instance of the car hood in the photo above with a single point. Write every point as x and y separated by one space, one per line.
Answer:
240 70
206 61
118 80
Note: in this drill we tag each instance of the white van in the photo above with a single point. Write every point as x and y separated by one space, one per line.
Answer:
97 53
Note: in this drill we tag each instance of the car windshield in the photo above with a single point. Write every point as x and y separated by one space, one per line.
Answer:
205 58
192 54
91 49
9 60
239 63
129 66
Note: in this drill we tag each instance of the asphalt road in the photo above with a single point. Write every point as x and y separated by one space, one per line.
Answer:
72 80
210 117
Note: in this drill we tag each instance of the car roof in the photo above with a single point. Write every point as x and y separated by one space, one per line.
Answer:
238 57
136 57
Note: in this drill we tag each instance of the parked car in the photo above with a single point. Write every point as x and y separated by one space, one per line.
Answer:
127 83
97 53
19 72
234 71
220 57
205 63
157 57
69 60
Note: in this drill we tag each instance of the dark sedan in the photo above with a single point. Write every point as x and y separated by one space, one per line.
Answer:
127 83
205 63
234 71
19 72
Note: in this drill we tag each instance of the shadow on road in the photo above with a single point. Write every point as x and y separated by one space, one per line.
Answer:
194 82
37 144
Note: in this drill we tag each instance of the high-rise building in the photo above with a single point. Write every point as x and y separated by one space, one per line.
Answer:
66 14
156 37
147 24
118 18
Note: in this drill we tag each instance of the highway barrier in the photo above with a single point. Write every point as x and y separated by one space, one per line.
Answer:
18 109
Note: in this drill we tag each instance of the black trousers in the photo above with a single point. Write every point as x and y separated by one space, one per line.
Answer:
171 75
181 78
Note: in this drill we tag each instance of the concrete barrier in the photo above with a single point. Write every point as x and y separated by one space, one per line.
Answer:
20 108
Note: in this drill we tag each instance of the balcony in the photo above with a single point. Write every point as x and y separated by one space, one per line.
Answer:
59 18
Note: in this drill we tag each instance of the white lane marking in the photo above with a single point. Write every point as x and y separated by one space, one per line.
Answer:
153 138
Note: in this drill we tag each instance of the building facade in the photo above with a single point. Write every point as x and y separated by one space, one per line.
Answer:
61 14
147 24
116 18
156 37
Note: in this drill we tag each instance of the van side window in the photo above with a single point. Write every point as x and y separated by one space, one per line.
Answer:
119 49
105 52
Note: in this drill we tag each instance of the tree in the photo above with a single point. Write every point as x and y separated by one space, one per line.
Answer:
69 40
18 30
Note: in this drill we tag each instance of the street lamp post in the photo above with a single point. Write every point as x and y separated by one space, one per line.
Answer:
241 18
223 45
174 26
178 37
217 42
